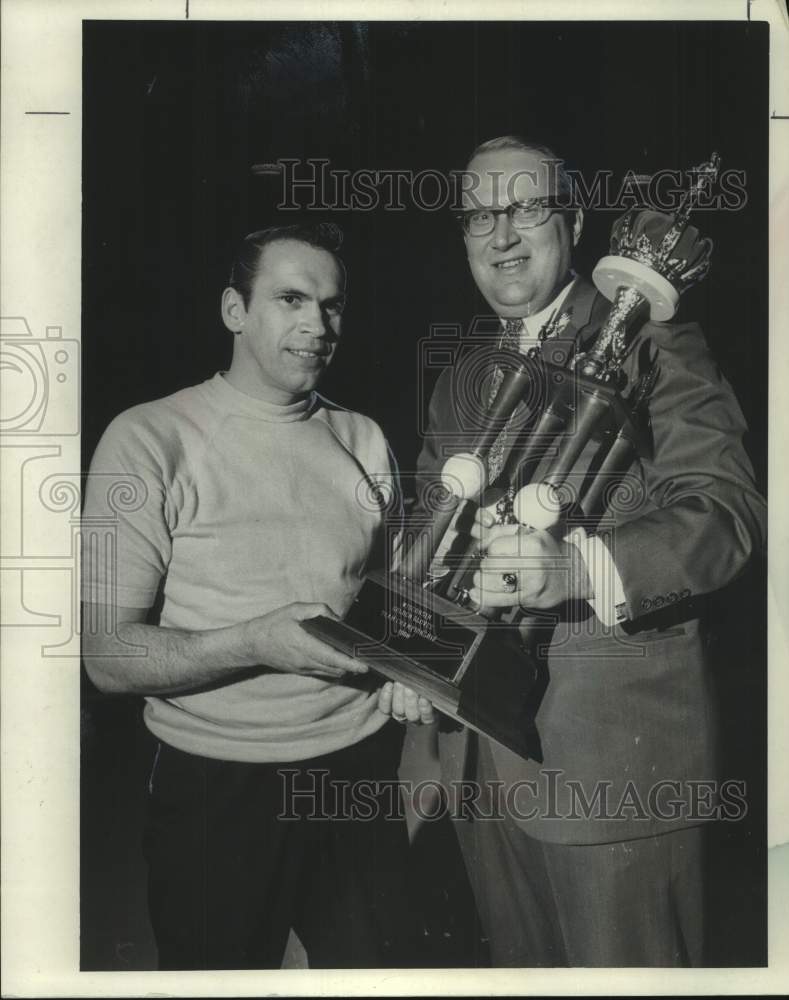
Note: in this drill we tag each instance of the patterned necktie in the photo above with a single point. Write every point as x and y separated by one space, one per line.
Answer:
510 341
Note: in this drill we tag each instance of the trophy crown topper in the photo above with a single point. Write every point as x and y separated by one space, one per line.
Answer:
665 243
654 257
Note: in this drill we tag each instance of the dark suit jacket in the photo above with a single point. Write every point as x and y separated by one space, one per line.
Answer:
627 722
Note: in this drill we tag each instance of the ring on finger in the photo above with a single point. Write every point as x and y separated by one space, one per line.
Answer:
510 581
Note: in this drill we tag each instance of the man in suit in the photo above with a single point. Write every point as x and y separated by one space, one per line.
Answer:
597 858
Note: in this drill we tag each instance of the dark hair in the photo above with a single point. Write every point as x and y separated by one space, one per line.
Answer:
564 187
246 260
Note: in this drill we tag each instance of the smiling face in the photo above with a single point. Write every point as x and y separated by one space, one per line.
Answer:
289 330
519 271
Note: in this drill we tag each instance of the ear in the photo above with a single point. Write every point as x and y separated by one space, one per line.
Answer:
578 225
233 312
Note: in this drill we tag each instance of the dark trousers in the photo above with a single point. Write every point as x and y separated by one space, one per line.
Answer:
228 878
630 903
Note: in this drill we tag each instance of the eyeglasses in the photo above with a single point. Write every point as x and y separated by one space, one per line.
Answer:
523 215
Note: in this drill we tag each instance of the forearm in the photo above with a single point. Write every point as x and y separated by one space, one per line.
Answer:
123 655
702 516
688 550
151 660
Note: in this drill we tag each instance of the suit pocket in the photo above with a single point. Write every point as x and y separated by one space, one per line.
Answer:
616 644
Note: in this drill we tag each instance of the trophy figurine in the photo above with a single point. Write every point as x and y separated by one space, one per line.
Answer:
413 623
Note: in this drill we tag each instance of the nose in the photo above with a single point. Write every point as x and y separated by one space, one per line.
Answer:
505 235
316 322
312 320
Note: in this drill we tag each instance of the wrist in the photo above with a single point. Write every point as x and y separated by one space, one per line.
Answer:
231 647
243 645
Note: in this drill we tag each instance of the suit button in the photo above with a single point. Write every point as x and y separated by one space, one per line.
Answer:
672 597
646 604
658 602
683 594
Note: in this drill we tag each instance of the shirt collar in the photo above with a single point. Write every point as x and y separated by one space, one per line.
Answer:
534 323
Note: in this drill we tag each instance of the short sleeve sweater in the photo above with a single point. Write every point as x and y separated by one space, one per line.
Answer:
238 507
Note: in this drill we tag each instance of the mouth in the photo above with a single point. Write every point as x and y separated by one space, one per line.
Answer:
512 264
307 355
308 361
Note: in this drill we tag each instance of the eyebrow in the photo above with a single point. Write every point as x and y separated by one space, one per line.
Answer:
522 202
284 290
301 293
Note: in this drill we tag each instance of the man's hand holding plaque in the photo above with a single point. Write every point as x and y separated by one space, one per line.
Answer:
404 705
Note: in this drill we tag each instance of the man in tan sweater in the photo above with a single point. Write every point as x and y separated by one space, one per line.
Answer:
255 513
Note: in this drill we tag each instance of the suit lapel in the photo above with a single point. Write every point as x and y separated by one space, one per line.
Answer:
587 308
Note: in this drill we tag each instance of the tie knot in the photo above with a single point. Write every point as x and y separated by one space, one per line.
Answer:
511 338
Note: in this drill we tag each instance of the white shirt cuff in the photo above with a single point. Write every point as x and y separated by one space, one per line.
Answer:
609 602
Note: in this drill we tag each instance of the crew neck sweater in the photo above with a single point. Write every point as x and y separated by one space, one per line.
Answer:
241 507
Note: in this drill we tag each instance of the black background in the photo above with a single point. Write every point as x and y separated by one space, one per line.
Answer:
176 114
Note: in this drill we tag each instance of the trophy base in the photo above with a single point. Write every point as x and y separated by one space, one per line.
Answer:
474 671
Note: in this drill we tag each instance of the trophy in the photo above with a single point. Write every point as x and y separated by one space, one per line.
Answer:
414 623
